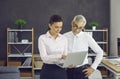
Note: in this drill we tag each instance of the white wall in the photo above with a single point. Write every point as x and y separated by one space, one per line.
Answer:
115 25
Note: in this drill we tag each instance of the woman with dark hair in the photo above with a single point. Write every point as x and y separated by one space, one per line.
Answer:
53 49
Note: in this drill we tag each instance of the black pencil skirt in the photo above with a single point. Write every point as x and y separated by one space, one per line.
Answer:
77 73
52 71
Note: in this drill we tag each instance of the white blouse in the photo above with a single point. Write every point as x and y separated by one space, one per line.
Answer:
51 50
81 42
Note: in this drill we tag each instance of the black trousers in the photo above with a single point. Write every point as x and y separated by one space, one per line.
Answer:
77 73
52 71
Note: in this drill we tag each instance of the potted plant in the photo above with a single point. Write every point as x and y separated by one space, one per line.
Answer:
20 23
93 25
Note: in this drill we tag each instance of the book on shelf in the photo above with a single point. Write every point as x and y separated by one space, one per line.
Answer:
12 37
27 62
27 54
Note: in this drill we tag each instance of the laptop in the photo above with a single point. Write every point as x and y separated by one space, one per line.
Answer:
75 58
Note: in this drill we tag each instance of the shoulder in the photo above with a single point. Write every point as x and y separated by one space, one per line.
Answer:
43 36
62 36
68 34
87 34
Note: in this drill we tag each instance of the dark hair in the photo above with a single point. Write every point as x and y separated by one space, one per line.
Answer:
55 18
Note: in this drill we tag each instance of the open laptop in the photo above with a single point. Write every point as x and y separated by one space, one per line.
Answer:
75 58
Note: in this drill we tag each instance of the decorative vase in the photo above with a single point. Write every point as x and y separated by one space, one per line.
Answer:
20 26
19 33
94 28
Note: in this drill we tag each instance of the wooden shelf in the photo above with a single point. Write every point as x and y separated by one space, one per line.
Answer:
20 53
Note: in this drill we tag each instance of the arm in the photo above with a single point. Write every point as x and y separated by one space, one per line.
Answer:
99 52
96 48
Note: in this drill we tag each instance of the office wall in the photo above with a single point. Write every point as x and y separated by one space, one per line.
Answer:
37 13
115 25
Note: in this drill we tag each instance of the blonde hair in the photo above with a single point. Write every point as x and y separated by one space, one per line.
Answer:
79 19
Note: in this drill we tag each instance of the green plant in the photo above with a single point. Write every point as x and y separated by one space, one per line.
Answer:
20 22
91 24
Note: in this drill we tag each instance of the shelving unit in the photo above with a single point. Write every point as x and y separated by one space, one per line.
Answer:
20 44
37 62
37 65
101 37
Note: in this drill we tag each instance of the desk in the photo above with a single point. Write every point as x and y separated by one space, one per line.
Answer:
112 68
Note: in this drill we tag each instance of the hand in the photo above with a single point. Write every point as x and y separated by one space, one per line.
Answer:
88 71
63 57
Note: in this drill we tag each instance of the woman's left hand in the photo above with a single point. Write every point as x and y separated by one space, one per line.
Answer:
88 71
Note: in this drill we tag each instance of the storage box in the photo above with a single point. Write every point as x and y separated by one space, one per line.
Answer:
26 74
2 63
38 64
14 63
104 72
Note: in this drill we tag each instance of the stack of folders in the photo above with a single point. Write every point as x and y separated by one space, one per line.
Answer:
27 62
114 60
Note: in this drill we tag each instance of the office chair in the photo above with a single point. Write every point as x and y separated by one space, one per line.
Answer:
96 75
